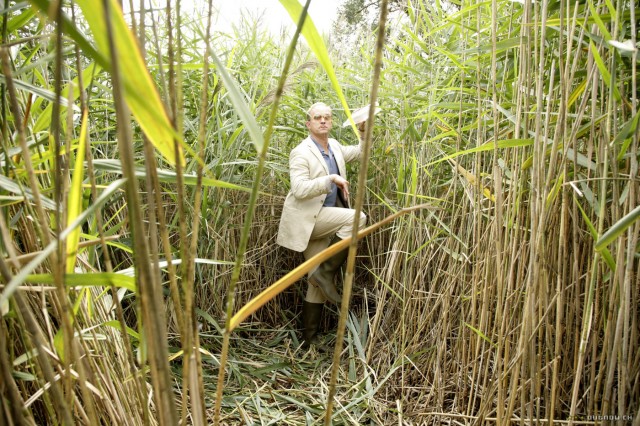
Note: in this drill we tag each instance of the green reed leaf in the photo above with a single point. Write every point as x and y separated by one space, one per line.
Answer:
239 103
606 75
617 229
100 279
140 91
130 331
625 136
38 91
43 120
74 204
489 146
606 254
168 176
20 277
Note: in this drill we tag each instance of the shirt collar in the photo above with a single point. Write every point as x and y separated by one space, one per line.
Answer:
320 146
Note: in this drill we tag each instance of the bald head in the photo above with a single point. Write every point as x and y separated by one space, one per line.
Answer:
318 106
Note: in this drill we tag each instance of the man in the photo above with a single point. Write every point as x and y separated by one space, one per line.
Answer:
316 210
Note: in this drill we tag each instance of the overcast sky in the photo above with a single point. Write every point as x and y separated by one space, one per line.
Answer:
323 13
271 13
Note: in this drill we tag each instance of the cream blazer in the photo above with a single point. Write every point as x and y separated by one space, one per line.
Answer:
310 185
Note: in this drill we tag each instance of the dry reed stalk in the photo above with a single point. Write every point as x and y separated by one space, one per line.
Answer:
194 364
362 177
147 278
248 219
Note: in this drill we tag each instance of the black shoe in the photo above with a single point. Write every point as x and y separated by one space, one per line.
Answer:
311 314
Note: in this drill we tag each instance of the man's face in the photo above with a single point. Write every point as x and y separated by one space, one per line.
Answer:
321 121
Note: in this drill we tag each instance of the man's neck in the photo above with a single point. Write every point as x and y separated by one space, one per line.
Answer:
322 140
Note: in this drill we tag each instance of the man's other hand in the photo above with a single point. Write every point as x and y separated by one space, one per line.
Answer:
341 183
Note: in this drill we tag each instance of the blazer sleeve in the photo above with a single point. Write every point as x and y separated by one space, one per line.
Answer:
303 185
351 152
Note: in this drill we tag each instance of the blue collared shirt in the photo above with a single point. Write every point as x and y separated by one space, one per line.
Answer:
332 165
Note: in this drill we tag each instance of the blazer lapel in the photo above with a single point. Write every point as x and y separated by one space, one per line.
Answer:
337 154
316 153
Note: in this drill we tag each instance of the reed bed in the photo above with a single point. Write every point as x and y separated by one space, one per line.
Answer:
513 298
